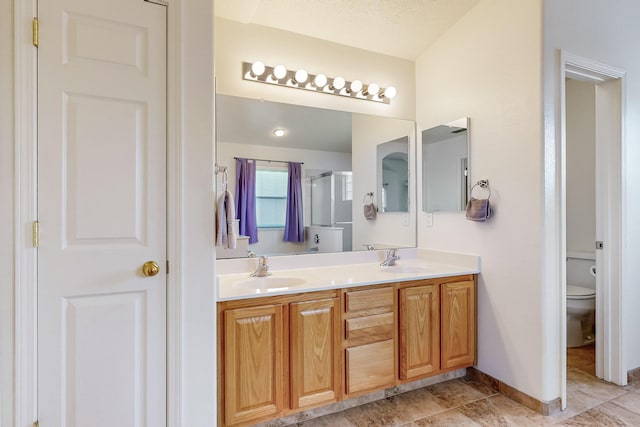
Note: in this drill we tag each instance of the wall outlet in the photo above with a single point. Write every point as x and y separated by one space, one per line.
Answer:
428 219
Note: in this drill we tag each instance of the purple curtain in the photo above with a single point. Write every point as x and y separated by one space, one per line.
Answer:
294 223
246 198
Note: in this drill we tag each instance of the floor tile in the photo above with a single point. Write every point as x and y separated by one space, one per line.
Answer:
483 388
604 415
577 402
418 404
578 357
380 413
629 401
451 417
578 380
502 411
331 420
455 393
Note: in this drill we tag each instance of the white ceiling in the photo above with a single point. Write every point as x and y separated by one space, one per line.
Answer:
252 121
401 28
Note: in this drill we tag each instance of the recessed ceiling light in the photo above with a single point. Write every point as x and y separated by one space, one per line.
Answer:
279 132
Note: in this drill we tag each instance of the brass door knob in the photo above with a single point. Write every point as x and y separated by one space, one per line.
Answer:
150 268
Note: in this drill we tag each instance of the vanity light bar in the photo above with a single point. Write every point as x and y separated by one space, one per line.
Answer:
300 79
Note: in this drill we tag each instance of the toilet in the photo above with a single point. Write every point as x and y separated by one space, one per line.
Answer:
581 309
581 298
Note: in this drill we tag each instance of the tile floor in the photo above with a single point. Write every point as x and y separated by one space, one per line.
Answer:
463 402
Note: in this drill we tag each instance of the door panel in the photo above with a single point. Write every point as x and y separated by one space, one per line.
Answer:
104 330
103 207
102 213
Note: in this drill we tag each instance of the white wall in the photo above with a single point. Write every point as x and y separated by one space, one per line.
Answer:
389 228
237 43
198 375
6 212
608 33
581 166
488 67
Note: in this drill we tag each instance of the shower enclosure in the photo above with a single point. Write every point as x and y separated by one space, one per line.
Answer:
331 203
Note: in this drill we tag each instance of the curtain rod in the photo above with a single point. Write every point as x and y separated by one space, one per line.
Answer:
267 160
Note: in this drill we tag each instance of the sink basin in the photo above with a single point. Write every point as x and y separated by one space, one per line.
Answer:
269 283
404 268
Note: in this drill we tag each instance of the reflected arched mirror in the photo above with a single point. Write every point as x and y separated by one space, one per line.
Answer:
393 175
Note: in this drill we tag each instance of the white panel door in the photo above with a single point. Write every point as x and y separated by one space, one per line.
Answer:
102 213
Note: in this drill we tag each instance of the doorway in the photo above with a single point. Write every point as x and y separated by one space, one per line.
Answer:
606 87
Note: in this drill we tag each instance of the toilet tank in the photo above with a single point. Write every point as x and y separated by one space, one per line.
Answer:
579 270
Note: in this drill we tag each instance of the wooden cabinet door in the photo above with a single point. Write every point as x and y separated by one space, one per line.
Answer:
253 360
315 352
370 367
458 324
419 319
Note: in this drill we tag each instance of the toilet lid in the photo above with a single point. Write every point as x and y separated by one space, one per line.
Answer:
579 291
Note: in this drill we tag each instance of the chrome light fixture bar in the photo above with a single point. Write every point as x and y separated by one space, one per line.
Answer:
301 79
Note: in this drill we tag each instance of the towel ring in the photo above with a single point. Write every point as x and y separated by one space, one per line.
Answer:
484 183
370 195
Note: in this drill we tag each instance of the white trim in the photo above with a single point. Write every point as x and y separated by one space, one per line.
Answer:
25 280
609 359
174 216
561 227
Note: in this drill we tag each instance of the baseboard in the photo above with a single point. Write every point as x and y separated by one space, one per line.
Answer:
544 408
633 376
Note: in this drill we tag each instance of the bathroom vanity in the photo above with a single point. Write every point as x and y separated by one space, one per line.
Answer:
304 338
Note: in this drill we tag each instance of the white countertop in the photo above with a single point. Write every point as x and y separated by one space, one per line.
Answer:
429 265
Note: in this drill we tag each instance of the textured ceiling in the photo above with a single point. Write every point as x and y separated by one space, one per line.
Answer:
401 28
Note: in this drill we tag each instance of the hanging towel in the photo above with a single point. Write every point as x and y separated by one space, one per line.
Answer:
226 235
478 209
370 211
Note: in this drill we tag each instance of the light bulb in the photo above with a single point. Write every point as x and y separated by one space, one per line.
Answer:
372 89
390 92
301 76
320 81
279 72
257 69
279 132
356 86
338 84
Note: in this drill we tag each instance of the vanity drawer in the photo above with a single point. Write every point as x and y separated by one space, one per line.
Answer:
362 330
368 299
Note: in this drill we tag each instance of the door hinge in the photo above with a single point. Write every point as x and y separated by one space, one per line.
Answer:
167 267
35 31
599 244
35 238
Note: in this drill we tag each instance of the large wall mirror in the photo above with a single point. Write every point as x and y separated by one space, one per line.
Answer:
445 167
338 153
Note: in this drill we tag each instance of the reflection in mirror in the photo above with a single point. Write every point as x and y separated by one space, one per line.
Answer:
393 175
445 168
333 180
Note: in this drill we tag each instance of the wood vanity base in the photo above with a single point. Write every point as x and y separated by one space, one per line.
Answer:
284 354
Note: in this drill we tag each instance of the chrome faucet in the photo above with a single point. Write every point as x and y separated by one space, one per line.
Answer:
390 258
263 268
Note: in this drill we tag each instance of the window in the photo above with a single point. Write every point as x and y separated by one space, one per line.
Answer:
271 197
